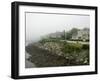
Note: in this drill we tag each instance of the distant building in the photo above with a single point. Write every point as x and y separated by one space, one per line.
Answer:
82 34
55 35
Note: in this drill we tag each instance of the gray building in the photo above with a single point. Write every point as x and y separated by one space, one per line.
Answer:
56 35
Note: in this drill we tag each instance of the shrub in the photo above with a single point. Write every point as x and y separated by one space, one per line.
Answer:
71 48
85 46
76 53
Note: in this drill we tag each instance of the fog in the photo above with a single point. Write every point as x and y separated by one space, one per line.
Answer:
40 24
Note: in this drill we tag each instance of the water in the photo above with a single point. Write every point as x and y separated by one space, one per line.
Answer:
28 64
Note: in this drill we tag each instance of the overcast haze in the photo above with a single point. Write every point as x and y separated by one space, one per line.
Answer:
39 24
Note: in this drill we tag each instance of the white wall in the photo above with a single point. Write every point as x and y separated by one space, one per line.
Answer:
5 41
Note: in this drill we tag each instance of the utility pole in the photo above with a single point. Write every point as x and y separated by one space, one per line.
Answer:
65 34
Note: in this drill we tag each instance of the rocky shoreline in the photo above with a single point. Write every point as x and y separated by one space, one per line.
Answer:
50 55
43 58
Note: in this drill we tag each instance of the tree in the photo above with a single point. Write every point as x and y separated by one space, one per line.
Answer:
71 32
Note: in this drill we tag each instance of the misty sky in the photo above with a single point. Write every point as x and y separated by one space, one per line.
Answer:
40 24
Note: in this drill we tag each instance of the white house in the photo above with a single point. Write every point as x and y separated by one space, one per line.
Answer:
82 34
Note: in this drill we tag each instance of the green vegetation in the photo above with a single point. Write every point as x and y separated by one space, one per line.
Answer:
71 47
75 53
70 33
